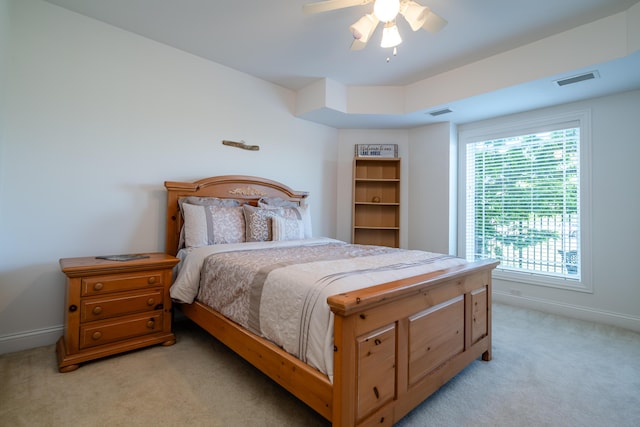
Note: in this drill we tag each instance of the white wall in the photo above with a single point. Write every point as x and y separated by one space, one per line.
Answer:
97 120
615 229
431 202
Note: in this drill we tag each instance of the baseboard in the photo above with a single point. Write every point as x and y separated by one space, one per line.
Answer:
30 339
568 310
40 337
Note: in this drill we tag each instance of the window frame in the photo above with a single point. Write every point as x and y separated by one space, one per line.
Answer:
524 125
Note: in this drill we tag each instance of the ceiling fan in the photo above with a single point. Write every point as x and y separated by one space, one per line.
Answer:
385 11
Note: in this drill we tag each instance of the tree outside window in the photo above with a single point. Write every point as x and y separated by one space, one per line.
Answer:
523 202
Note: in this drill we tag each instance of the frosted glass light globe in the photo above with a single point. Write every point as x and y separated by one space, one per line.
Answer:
390 36
386 10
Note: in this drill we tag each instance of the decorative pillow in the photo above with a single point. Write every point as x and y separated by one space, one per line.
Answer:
201 201
228 224
258 222
290 210
301 213
211 225
276 202
287 228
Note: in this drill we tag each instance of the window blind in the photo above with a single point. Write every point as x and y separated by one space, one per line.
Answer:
523 204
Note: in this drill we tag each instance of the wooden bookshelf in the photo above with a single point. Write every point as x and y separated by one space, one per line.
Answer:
376 201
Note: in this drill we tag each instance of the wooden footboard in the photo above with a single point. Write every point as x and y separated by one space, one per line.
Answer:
395 344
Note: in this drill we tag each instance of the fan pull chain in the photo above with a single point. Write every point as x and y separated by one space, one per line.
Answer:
395 53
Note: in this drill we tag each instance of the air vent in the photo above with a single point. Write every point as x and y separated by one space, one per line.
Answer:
440 112
580 78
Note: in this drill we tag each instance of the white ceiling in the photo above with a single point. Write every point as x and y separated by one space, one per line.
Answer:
275 41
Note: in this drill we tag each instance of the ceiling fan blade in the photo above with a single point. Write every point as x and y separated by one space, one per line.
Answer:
434 22
327 5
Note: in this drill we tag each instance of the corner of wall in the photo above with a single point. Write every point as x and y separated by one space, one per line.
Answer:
324 93
633 28
5 35
430 181
453 189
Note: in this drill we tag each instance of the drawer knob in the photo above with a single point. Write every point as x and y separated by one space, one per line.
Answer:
96 335
151 301
73 308
151 324
97 310
98 286
151 280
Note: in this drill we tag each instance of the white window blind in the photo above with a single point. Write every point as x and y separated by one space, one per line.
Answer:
523 201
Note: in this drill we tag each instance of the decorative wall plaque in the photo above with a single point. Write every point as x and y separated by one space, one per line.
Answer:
377 150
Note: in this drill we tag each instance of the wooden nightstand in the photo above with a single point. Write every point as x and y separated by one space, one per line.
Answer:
114 306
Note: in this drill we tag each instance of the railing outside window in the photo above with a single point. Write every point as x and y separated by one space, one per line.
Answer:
556 256
523 204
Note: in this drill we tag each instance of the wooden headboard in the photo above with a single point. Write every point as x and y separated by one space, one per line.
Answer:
249 189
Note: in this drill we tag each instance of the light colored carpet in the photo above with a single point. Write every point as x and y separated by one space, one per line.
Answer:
546 371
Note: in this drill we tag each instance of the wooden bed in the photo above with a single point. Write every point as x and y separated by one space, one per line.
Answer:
395 343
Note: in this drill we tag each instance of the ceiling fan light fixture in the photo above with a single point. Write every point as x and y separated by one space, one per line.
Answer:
415 14
390 35
386 10
363 28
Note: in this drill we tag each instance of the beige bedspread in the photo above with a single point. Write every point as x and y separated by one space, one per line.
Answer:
279 290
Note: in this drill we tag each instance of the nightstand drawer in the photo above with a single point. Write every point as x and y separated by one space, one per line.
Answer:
121 304
107 331
120 282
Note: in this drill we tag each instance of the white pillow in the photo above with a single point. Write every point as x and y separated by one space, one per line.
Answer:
196 231
212 225
302 213
201 201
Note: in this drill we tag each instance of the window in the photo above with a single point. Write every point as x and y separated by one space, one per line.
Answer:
523 197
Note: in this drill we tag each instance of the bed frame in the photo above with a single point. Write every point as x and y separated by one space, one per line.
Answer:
395 343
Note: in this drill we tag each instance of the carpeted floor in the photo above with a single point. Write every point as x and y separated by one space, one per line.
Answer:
546 371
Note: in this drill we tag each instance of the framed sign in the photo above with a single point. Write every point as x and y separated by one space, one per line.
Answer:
376 150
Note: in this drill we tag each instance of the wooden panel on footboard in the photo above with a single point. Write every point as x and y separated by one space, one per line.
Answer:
397 343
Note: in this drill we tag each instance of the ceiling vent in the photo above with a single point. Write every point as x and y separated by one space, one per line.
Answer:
579 78
440 112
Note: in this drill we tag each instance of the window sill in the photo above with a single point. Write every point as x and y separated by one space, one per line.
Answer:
578 284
